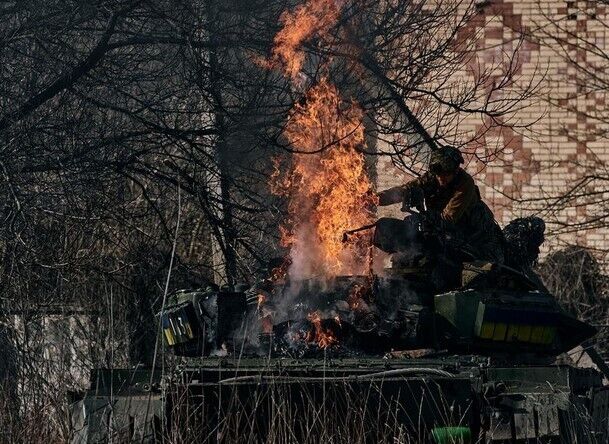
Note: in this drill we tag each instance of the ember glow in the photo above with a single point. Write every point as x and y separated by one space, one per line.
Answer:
356 296
320 335
280 273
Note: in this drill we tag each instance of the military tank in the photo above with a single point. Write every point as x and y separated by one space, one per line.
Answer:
426 351
374 358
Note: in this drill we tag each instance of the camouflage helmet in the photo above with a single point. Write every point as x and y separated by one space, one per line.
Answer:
445 160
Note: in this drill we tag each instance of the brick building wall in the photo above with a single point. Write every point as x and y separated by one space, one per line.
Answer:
556 143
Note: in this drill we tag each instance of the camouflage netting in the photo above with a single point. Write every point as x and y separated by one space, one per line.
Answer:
523 238
575 277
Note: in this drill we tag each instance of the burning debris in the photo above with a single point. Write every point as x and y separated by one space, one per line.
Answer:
342 316
309 316
322 336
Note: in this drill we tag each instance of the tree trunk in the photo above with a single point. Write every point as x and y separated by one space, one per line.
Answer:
222 153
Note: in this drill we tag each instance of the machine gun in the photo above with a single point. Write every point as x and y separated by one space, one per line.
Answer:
424 240
422 226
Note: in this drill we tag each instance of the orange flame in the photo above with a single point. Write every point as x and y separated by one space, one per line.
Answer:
322 336
327 185
314 17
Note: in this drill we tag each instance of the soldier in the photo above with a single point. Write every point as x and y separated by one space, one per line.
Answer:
453 201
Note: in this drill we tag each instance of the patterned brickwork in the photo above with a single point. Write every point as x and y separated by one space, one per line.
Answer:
556 142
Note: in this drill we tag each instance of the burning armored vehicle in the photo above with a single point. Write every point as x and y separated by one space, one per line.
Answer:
439 347
378 357
330 347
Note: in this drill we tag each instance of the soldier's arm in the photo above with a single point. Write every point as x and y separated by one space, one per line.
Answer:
396 194
391 196
461 202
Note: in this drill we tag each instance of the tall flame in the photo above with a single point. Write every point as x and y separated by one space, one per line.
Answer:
326 183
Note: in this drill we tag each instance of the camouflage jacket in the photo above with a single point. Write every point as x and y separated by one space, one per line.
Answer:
460 207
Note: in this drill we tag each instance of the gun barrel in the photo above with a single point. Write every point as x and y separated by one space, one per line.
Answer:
347 233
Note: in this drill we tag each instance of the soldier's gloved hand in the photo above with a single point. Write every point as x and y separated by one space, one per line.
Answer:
431 223
413 198
407 200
